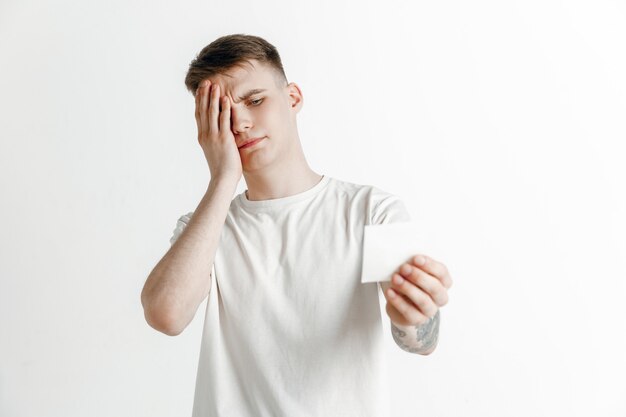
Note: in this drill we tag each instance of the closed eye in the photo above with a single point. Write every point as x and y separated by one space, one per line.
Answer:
256 102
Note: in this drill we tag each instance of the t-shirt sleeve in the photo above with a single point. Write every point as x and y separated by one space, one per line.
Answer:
181 223
388 208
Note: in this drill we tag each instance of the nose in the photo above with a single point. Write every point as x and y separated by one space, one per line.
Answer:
240 119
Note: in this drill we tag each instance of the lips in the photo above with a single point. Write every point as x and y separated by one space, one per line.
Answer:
250 141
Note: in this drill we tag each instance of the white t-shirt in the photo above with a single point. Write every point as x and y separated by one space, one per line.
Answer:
290 330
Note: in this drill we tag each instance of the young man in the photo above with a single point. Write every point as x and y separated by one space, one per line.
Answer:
289 328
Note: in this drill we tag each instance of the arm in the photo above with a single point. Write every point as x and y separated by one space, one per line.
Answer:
414 296
181 280
420 339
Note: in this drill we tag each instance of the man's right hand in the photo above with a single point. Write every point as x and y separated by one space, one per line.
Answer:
214 133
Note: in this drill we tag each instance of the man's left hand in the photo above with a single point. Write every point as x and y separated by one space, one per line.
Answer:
422 290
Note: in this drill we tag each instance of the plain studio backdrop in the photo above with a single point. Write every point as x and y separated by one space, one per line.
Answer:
500 124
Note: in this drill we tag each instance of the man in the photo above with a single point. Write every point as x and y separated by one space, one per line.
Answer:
289 328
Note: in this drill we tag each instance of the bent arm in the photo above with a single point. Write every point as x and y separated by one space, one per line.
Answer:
182 279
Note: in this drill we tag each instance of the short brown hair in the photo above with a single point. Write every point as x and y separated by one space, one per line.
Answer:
229 51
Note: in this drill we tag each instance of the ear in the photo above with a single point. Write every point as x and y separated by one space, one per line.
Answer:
296 100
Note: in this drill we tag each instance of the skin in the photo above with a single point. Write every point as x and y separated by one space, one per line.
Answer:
276 167
414 296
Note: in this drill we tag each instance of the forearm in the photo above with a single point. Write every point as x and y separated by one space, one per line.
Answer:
420 339
181 280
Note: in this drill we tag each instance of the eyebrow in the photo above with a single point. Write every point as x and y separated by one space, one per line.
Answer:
251 93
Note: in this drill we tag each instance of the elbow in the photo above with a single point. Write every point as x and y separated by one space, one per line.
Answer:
160 319
163 324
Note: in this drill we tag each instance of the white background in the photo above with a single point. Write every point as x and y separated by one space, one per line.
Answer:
499 123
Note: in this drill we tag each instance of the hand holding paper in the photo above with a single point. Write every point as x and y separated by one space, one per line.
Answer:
418 288
386 247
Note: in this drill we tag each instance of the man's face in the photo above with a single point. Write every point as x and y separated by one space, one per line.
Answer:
269 114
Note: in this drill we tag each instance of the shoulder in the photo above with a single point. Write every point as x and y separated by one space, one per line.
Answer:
387 208
356 190
380 205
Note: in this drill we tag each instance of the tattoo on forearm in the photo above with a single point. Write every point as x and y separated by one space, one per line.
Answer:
420 339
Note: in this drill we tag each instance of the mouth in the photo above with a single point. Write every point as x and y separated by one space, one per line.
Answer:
251 143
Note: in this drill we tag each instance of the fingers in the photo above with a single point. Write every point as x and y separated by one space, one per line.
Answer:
426 282
418 289
405 307
417 296
208 114
198 112
434 268
225 114
214 108
201 106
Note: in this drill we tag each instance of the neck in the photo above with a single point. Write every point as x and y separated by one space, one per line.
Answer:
292 176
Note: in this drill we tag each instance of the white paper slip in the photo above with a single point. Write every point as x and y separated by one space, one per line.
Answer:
387 246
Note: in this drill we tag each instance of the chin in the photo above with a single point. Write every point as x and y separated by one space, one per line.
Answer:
255 163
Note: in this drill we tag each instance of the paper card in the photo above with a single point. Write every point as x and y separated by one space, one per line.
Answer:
387 246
